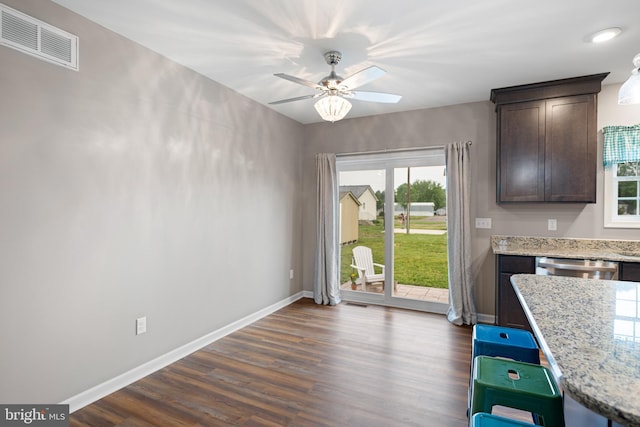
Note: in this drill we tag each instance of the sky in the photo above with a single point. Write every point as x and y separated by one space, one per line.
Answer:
375 178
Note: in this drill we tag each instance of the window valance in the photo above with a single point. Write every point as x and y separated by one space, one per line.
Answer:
621 144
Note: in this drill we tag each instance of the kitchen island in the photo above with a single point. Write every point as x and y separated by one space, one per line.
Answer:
589 331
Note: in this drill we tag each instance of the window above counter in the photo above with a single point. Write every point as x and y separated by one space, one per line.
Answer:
621 159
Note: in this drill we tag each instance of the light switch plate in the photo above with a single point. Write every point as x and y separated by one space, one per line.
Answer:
552 225
483 222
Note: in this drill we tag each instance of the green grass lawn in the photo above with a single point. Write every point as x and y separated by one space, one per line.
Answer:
420 259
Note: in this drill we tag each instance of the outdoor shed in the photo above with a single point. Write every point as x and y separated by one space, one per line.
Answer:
418 209
349 206
367 198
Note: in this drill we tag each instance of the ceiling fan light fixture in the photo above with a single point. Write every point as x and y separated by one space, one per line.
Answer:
332 108
331 90
630 91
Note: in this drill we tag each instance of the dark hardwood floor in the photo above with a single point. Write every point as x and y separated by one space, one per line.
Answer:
308 365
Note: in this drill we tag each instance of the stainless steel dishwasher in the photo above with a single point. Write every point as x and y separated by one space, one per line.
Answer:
584 268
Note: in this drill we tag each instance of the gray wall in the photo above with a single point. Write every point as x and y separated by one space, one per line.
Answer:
129 189
475 122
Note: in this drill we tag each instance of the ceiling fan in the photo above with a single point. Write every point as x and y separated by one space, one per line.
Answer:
333 89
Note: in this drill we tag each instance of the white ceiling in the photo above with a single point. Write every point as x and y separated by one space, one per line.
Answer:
435 52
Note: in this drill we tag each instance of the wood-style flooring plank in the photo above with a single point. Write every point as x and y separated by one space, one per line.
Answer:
308 365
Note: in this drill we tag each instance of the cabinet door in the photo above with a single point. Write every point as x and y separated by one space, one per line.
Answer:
570 149
508 308
510 312
630 271
520 152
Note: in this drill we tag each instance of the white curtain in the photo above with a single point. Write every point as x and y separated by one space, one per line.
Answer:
462 308
326 282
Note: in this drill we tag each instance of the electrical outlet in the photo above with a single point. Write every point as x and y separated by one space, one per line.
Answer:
291 274
141 325
483 222
552 225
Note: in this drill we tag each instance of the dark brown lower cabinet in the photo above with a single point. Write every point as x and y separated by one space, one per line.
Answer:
629 271
509 311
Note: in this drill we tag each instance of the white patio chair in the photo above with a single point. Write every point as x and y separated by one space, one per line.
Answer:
363 263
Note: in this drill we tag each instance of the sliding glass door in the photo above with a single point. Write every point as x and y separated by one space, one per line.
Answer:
393 230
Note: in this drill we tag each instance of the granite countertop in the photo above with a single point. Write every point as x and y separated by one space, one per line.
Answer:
598 249
589 331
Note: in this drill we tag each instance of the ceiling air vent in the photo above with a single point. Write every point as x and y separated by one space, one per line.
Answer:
37 38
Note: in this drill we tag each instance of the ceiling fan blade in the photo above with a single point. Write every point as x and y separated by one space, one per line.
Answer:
363 77
299 81
387 98
298 98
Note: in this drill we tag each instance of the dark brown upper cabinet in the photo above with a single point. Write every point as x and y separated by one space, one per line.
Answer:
546 140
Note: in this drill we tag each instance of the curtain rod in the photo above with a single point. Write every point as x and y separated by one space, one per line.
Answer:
394 150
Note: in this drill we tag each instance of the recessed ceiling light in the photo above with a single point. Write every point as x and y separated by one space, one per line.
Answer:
604 35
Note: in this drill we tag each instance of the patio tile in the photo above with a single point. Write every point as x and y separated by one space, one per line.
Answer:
409 291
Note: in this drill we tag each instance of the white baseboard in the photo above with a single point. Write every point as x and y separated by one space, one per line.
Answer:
486 318
89 396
